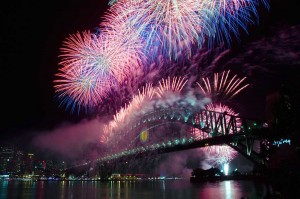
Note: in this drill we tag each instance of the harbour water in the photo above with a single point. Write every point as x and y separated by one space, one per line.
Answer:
158 189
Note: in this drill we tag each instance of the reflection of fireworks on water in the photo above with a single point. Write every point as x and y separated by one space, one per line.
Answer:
91 64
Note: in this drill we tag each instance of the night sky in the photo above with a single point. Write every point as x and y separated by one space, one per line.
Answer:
32 31
31 35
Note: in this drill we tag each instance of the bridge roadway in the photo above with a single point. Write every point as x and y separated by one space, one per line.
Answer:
241 142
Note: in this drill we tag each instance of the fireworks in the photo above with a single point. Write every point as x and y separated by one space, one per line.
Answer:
92 63
223 153
174 85
171 26
121 117
222 87
80 86
149 94
220 154
177 26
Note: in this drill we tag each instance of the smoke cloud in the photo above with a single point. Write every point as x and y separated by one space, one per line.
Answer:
72 141
182 163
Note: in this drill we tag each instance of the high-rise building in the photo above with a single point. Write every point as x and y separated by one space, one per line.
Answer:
18 162
6 159
29 163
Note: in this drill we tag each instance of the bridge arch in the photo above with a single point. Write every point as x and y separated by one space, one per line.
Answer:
219 128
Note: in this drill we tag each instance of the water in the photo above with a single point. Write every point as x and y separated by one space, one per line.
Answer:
164 189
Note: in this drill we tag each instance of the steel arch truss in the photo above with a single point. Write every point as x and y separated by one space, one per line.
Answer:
181 124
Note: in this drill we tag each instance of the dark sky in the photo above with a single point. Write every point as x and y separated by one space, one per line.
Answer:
31 33
30 36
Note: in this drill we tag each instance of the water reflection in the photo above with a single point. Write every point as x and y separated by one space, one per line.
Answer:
3 192
228 188
181 189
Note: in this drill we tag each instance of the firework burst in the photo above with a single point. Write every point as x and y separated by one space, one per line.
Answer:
176 27
174 84
169 27
223 86
92 64
220 154
79 86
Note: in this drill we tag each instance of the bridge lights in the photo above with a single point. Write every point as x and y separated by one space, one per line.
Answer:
144 136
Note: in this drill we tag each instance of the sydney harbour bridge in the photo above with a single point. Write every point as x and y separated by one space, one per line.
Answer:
177 129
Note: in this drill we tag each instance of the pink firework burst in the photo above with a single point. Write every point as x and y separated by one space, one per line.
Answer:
220 154
107 53
80 86
221 88
92 63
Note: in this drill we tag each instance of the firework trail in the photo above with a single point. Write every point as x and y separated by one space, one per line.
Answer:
223 86
174 85
177 27
124 115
